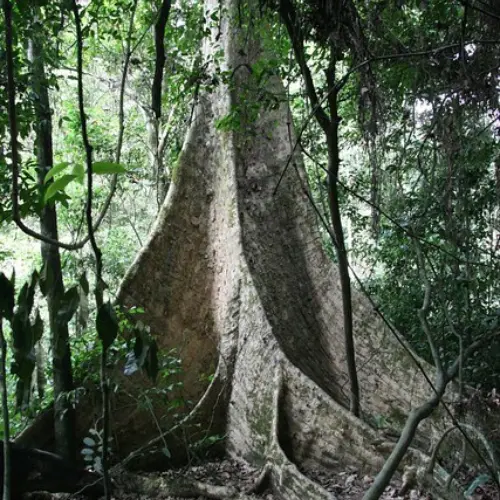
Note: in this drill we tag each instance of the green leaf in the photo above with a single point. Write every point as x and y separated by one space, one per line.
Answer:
22 335
89 441
37 328
58 185
166 452
79 172
56 169
107 325
107 167
6 297
26 297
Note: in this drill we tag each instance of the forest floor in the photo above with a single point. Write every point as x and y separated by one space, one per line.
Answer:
345 485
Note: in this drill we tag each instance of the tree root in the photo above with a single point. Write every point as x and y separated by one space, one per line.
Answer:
180 487
280 474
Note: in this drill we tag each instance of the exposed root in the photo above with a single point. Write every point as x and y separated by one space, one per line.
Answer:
282 475
262 482
180 487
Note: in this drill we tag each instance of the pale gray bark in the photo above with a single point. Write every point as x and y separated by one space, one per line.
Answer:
235 276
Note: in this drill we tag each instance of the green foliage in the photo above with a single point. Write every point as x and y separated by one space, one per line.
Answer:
25 331
58 185
107 167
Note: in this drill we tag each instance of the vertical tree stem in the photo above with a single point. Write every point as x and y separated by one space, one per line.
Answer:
97 252
6 494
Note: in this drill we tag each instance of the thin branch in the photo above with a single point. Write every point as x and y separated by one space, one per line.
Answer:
166 131
391 219
424 311
121 113
474 6
97 252
409 55
289 16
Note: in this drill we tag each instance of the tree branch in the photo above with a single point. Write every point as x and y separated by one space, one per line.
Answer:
292 24
160 26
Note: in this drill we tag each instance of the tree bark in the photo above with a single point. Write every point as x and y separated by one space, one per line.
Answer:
64 415
235 277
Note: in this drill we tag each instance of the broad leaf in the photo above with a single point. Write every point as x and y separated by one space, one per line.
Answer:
79 172
6 297
107 325
22 335
37 328
58 185
26 297
107 167
56 169
89 441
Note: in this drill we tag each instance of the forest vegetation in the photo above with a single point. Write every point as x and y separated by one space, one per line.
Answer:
255 244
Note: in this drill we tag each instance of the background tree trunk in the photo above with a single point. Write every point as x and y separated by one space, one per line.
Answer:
64 415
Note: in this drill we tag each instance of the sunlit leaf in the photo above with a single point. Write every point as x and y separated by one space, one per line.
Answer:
58 185
79 172
56 169
107 167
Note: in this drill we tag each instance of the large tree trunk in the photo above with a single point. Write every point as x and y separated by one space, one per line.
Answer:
235 276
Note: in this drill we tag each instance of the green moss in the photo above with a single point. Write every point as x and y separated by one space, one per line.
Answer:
232 211
175 171
261 423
